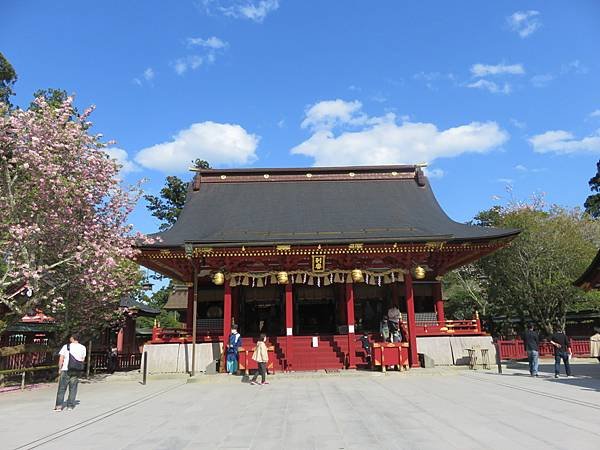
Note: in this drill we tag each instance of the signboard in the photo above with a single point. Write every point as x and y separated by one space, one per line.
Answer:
318 263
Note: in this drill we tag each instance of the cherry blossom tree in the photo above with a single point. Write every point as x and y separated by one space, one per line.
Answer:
65 244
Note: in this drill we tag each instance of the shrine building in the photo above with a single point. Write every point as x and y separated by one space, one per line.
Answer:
312 257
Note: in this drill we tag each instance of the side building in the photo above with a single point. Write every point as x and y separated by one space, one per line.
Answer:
312 257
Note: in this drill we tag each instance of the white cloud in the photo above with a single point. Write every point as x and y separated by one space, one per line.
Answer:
595 113
542 80
523 169
431 78
575 67
491 86
218 143
255 10
191 62
329 113
524 22
212 42
433 173
517 123
482 70
208 49
122 158
381 140
564 142
505 180
147 76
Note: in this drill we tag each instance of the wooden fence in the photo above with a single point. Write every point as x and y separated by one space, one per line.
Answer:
515 349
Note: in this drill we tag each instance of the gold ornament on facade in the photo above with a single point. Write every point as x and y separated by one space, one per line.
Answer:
282 277
218 278
357 276
419 273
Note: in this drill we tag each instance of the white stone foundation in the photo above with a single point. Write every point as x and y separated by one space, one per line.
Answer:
177 358
452 350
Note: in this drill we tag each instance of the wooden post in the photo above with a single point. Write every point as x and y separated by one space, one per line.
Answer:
145 368
189 317
412 323
439 303
350 316
194 318
89 359
120 340
289 322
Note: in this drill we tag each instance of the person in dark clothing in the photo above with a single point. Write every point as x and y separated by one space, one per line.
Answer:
531 340
366 345
562 350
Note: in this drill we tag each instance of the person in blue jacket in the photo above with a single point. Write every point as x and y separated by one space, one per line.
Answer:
235 341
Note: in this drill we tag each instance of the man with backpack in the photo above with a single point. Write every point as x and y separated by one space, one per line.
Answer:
70 367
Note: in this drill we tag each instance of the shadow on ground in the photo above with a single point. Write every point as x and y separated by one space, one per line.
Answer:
586 374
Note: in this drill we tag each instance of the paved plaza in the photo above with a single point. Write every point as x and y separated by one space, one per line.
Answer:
422 409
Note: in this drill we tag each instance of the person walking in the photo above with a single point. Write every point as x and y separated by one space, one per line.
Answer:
235 341
70 368
562 350
531 340
595 345
261 356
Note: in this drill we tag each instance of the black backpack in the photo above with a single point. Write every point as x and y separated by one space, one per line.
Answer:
74 364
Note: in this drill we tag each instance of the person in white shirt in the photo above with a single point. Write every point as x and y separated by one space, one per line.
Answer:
70 367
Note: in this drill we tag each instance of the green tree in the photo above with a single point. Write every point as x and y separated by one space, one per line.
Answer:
531 279
8 77
592 203
53 97
158 300
168 205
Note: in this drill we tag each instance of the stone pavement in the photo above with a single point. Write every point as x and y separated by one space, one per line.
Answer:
422 409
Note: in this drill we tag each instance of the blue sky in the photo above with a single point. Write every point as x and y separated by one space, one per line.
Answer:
489 93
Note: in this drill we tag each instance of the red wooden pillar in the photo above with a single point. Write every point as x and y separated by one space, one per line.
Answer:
189 316
226 312
235 307
412 323
439 303
289 323
350 317
120 341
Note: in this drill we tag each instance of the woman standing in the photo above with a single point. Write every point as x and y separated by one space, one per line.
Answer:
261 356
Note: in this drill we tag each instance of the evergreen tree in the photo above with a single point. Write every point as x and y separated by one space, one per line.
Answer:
168 205
592 203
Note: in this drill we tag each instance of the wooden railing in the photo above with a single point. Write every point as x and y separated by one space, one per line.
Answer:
27 360
183 335
125 361
515 349
449 327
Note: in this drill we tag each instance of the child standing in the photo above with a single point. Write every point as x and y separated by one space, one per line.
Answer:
232 350
261 356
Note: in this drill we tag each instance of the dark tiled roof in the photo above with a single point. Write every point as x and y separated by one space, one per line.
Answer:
131 303
591 277
178 298
315 205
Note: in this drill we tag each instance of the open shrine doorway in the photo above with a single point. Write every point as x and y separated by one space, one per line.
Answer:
315 310
261 310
